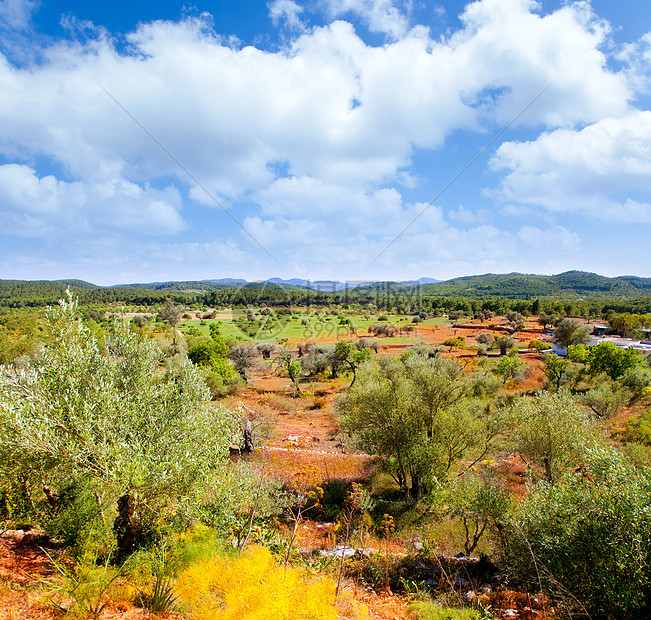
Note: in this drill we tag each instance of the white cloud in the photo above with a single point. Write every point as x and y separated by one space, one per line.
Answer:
516 53
378 15
17 13
555 239
46 208
308 143
469 216
286 11
637 58
582 171
331 106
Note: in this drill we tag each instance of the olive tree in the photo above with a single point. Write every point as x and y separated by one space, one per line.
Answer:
505 343
553 431
571 332
587 538
417 415
108 421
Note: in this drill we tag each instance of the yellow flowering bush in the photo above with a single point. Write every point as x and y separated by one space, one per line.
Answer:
255 587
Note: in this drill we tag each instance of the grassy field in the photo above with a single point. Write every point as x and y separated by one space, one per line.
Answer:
308 324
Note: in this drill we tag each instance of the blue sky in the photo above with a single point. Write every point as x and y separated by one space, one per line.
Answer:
146 141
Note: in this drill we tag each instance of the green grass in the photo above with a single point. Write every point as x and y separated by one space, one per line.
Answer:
321 326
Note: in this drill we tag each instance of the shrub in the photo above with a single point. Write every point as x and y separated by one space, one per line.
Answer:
110 421
588 539
636 379
431 611
539 345
639 429
256 587
607 400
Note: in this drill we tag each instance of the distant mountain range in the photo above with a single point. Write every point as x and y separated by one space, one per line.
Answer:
325 286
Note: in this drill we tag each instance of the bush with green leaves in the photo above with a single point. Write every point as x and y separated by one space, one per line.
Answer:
479 503
606 400
637 379
552 430
509 367
639 429
95 422
421 610
614 361
416 413
588 539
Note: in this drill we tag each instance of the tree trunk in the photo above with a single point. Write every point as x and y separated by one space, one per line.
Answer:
548 470
126 527
248 438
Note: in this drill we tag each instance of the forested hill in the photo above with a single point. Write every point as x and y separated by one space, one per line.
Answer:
40 293
570 285
525 286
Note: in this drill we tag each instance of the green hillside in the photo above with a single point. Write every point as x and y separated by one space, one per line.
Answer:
527 286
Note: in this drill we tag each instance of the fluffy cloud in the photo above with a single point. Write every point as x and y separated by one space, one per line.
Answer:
583 171
330 106
556 238
308 144
378 15
17 13
47 208
288 12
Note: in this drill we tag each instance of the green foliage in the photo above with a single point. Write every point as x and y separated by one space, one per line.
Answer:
478 503
347 355
555 369
571 332
485 384
553 431
627 324
459 341
578 353
613 360
509 367
219 374
587 538
416 413
637 379
293 367
486 338
607 400
99 422
86 584
639 429
204 353
539 345
432 611
505 343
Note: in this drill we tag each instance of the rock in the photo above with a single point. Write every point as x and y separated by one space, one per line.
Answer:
460 582
324 524
348 552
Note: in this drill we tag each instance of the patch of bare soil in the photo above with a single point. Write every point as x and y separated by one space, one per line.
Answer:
23 566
